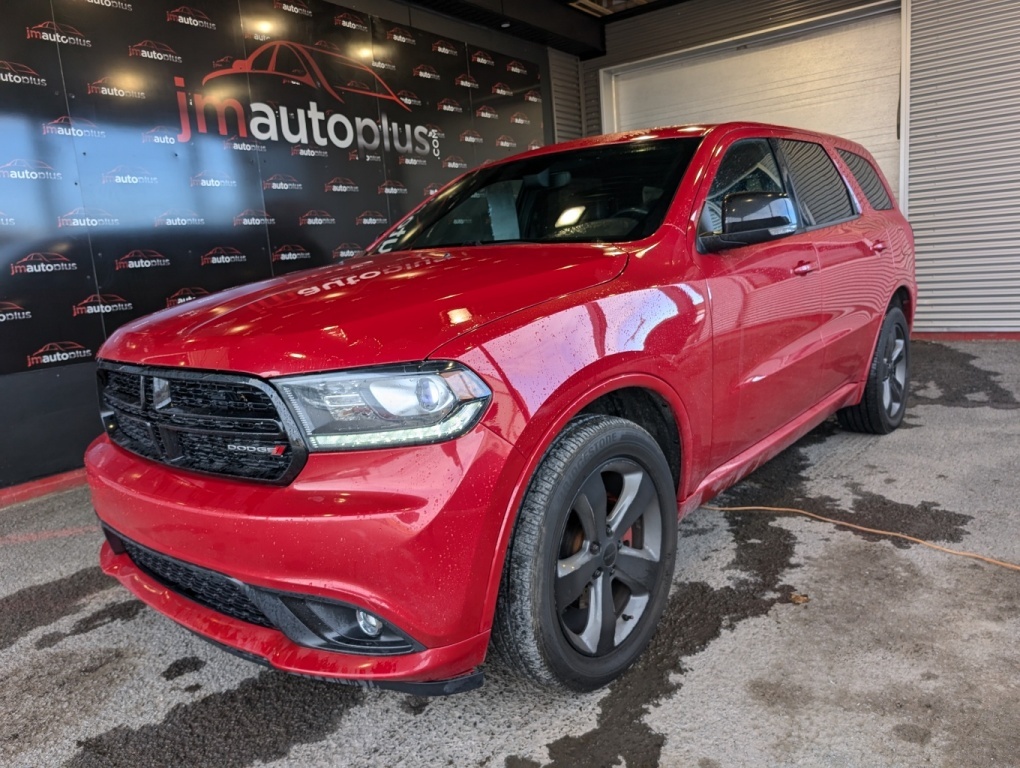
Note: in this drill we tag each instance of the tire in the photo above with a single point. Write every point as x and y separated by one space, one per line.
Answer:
588 570
884 402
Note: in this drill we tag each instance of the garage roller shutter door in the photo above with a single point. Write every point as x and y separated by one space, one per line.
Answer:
964 187
842 79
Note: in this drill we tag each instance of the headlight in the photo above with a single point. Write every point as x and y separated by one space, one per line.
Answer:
376 408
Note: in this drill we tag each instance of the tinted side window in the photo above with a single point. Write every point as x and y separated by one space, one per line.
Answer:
749 166
867 177
820 189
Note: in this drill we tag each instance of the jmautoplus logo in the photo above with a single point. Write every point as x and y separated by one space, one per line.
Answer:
213 180
223 254
432 189
535 144
506 141
101 304
9 312
201 113
426 72
253 218
342 280
409 160
341 184
350 21
483 57
410 98
51 32
184 295
381 63
20 74
369 218
303 150
502 89
449 49
400 35
449 105
293 6
238 144
88 217
117 5
486 112
150 49
453 161
391 187
316 218
132 175
519 118
190 17
347 251
517 68
466 81
105 86
291 252
141 258
471 137
39 263
533 96
59 352
76 127
29 170
159 135
282 182
178 217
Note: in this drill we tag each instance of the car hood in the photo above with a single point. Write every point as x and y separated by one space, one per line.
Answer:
387 308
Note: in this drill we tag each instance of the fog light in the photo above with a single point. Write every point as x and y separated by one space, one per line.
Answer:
369 624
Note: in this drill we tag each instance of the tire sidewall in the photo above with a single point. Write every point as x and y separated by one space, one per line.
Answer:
894 318
616 440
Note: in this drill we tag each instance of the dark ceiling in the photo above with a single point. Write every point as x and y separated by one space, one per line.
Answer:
573 26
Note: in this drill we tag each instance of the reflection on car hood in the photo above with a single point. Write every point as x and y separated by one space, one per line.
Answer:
387 308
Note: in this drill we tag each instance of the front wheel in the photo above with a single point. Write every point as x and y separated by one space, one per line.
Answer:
590 563
884 402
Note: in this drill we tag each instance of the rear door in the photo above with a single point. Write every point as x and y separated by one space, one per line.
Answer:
850 241
766 306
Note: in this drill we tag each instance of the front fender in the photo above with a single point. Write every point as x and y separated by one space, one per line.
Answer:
546 364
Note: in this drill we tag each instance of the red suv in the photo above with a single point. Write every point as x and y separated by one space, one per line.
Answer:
485 429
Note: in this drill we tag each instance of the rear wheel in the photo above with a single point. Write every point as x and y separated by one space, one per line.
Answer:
590 563
884 402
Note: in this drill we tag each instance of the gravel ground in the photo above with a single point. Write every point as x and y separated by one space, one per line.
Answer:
786 641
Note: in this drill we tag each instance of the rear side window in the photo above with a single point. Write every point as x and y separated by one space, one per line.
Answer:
867 177
820 189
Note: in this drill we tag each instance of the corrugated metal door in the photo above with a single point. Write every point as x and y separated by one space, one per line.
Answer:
963 182
842 79
565 79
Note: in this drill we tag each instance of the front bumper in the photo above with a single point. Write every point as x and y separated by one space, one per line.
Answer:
408 534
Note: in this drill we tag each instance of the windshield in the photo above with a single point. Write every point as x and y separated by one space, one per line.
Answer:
607 194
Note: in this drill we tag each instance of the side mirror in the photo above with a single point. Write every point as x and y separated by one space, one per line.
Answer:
752 217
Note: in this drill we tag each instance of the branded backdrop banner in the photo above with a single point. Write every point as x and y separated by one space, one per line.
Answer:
152 153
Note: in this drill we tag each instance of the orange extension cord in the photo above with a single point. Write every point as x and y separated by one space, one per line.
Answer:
922 542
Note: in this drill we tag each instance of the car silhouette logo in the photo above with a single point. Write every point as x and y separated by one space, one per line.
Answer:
44 258
185 295
17 69
309 66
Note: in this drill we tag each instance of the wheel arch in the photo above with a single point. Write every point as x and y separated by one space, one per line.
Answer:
642 398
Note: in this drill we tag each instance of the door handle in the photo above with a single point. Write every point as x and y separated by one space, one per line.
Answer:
804 268
876 247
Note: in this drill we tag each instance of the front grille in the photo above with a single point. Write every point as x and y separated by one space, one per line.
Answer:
220 424
208 588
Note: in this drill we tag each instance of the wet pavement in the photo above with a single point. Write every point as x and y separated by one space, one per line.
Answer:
786 641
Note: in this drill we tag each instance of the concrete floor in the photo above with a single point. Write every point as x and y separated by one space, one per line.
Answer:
786 641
